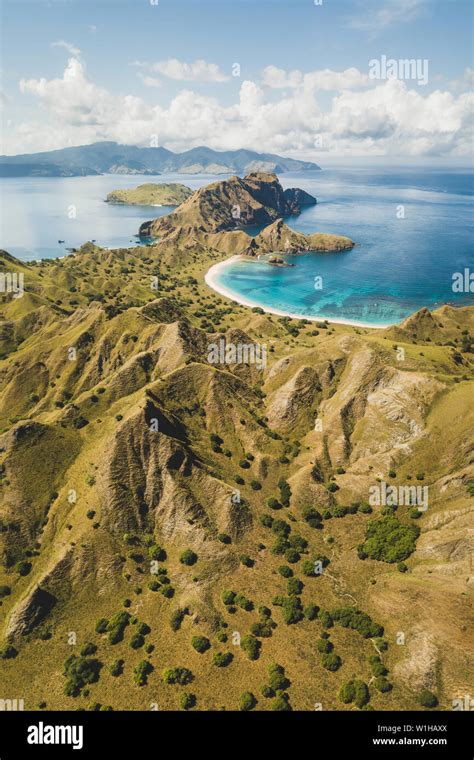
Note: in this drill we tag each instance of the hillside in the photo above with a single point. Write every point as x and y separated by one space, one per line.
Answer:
257 199
112 158
151 194
183 527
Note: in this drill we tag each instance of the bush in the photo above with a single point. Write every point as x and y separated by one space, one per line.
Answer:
222 659
200 643
263 630
402 567
294 587
24 568
277 679
251 646
267 692
325 619
382 684
426 698
187 701
324 646
142 671
157 553
291 607
255 485
116 626
362 695
285 492
101 625
228 597
292 556
281 704
247 701
285 571
244 603
8 652
273 503
246 560
311 611
88 649
312 517
281 528
116 669
350 617
267 521
388 540
137 641
176 619
80 671
5 591
347 692
188 557
179 675
331 661
154 586
224 538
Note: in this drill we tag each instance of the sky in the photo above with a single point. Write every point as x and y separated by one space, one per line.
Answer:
302 78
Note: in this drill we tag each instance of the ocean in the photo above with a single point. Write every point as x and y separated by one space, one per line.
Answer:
413 228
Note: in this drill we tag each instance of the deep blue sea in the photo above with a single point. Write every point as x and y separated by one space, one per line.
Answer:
398 266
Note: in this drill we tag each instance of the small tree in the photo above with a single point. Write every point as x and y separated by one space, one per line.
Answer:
247 701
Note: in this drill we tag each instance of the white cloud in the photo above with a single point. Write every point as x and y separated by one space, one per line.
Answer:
323 79
149 81
383 118
376 16
71 49
198 71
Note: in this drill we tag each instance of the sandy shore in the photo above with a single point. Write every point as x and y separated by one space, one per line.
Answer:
211 279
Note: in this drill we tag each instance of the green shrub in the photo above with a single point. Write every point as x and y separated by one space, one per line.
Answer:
8 652
285 571
116 669
281 703
228 597
116 626
142 671
80 671
347 692
331 661
247 701
88 649
179 675
200 643
222 659
267 692
281 528
324 646
137 641
251 646
101 625
276 678
382 684
292 556
426 698
176 619
242 602
187 701
188 557
246 560
5 591
362 695
157 553
350 617
388 540
311 611
294 587
154 586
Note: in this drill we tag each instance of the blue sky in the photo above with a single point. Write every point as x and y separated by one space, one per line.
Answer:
108 38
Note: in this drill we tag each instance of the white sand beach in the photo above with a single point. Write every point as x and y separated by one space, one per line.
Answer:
211 279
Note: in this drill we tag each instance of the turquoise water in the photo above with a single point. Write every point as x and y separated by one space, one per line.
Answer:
398 266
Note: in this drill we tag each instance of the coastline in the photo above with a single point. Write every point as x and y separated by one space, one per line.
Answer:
210 278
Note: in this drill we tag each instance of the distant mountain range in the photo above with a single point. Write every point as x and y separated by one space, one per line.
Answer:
112 158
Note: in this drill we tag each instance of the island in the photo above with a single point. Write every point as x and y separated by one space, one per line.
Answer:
151 194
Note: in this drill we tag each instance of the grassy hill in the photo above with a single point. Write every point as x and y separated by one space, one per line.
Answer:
178 527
